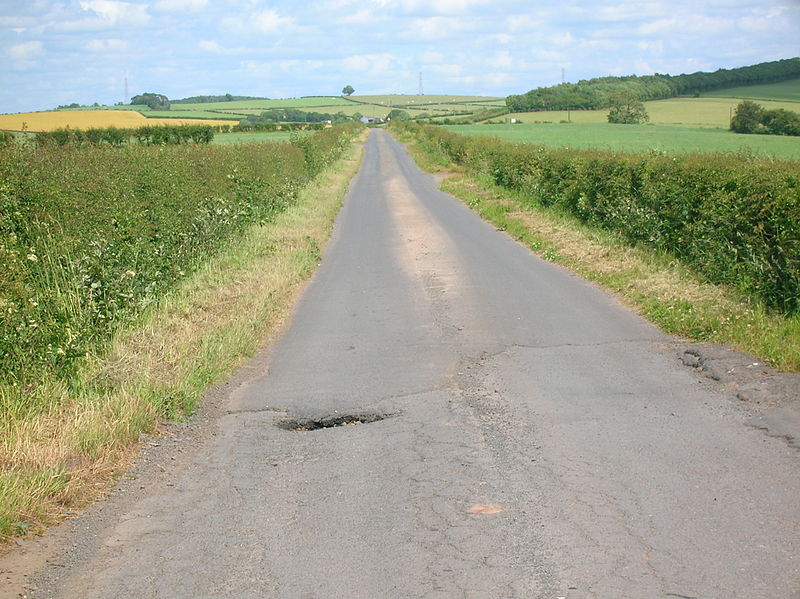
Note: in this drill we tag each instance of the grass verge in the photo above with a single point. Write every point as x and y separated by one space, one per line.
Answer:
221 315
662 289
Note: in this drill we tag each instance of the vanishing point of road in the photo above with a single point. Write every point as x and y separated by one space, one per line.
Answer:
448 416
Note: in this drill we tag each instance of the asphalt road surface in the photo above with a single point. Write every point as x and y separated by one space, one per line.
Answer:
449 416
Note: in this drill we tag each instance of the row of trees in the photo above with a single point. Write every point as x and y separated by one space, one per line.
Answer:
293 115
213 99
594 94
751 117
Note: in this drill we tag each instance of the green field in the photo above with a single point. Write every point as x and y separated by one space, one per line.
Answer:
412 100
786 90
695 112
680 125
638 138
192 114
265 104
258 136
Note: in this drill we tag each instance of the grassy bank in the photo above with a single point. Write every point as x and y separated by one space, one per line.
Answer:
659 286
160 364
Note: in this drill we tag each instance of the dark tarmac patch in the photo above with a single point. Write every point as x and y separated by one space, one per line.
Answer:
749 378
334 421
773 395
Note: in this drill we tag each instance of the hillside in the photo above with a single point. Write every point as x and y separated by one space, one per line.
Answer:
594 94
787 91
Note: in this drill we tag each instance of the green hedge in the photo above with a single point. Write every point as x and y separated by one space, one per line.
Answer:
90 236
113 136
245 126
733 218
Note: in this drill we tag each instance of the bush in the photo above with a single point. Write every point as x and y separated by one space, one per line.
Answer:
781 122
751 117
747 117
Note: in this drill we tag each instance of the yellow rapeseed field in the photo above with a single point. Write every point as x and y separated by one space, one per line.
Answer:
88 119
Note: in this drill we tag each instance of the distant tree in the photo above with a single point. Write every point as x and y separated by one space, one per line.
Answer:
626 108
347 90
154 101
398 115
751 117
747 117
356 116
781 122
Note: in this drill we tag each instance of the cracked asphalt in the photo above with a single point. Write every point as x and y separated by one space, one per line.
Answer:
540 441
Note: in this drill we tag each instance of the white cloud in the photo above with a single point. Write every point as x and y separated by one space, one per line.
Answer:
435 28
16 23
23 55
112 12
563 39
654 47
263 22
443 7
495 80
269 21
693 24
632 11
180 5
501 60
370 64
306 65
435 7
432 57
642 67
112 45
361 17
658 27
451 70
258 69
26 51
214 47
502 38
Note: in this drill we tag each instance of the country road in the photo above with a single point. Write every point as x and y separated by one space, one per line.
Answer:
448 416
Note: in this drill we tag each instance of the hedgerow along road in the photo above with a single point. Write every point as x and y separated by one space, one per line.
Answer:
448 415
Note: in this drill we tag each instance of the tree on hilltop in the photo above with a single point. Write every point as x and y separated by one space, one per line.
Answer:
347 90
626 108
154 101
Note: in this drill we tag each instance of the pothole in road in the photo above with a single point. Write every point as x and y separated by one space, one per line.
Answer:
337 420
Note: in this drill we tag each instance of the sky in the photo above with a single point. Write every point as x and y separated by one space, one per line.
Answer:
59 52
